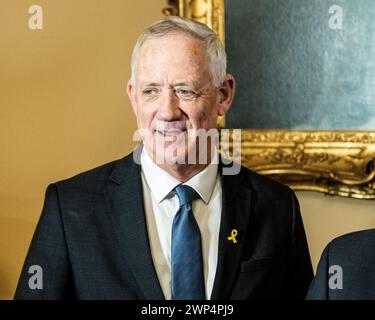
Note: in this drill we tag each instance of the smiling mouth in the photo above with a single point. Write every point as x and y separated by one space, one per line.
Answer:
170 134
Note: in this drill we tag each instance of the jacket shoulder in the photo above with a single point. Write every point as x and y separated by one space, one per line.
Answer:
265 185
353 242
95 178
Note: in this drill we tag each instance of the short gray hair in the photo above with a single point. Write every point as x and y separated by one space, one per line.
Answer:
171 24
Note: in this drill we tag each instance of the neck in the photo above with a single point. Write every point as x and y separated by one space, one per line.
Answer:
185 171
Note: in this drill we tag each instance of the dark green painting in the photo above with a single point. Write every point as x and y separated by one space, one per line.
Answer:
302 64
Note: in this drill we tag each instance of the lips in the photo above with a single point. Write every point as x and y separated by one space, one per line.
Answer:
171 132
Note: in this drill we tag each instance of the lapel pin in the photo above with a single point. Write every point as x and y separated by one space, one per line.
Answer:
233 235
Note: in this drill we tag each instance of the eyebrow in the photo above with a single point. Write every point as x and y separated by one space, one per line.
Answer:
194 84
180 84
151 84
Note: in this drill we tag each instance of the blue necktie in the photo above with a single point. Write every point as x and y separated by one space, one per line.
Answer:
187 265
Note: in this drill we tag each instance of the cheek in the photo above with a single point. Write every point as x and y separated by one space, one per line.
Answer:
204 118
145 115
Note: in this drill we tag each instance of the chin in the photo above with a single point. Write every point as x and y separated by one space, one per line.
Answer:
170 150
172 157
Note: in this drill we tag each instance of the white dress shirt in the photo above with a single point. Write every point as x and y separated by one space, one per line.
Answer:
161 204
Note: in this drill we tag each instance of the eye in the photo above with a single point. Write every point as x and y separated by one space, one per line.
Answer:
149 92
185 93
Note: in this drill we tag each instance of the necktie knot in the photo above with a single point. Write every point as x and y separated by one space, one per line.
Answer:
186 194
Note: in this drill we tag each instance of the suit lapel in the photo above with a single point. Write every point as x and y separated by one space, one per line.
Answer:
235 216
125 197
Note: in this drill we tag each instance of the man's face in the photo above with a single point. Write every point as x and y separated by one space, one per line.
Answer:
174 96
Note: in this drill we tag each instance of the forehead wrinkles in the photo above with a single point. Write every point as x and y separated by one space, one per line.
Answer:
179 54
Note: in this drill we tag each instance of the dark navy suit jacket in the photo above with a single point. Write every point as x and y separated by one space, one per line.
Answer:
92 243
351 257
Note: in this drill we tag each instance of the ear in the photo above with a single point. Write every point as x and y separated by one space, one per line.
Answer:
131 90
227 90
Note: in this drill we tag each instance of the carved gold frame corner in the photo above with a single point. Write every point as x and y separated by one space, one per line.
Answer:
333 162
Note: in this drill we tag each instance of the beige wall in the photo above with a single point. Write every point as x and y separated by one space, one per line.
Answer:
63 106
326 217
63 110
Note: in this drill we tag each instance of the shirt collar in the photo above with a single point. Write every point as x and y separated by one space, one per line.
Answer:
162 183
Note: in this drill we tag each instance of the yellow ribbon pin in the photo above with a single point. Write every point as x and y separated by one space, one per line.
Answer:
233 235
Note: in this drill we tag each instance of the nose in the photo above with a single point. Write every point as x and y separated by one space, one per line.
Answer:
169 108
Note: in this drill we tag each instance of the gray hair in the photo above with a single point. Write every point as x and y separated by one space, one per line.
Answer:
171 24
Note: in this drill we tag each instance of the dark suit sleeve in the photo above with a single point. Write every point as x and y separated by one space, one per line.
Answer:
319 287
300 268
47 250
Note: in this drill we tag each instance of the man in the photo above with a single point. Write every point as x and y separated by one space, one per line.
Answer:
160 224
346 269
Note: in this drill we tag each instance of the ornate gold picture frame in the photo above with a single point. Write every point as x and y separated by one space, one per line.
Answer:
333 162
